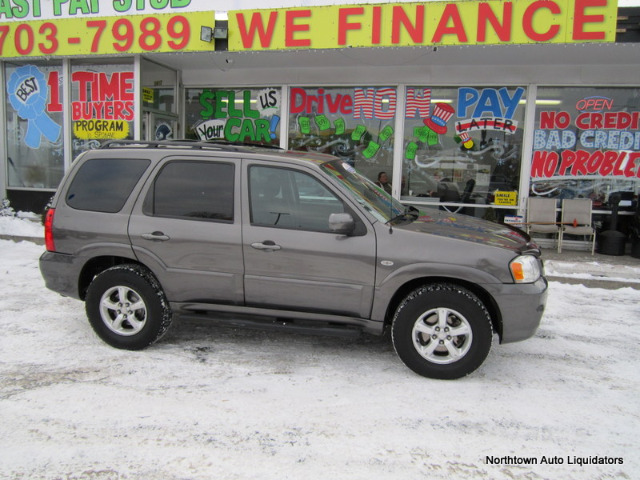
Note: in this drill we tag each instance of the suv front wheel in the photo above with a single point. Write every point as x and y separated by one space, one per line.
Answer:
442 331
127 307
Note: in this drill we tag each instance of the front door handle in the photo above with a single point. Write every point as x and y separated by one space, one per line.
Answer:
155 236
267 245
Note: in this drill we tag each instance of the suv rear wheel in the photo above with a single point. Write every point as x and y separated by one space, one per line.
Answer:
442 331
127 308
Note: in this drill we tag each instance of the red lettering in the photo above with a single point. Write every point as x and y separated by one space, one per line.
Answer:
544 164
256 26
450 13
291 28
344 25
607 163
84 79
595 161
400 18
487 15
333 104
631 164
568 159
547 120
527 21
580 164
617 170
610 119
582 121
376 24
53 81
580 18
297 100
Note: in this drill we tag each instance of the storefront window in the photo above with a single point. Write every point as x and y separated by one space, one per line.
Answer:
463 145
355 124
587 145
102 104
248 115
34 125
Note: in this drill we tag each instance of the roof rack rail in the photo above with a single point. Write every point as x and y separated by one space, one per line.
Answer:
185 143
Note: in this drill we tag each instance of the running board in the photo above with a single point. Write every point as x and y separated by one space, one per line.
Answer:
264 318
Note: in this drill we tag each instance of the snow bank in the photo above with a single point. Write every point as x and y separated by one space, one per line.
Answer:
219 403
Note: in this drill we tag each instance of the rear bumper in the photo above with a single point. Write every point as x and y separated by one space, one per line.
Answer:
521 308
57 271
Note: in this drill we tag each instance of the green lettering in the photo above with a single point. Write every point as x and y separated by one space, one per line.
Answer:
233 111
21 8
57 11
139 4
158 4
121 5
36 8
95 7
76 5
248 112
228 133
262 130
180 3
247 130
219 103
5 9
205 101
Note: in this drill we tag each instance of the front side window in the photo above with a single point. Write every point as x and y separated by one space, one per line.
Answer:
284 198
463 145
193 190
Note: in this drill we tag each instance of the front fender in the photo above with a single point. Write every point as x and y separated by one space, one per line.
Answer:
392 281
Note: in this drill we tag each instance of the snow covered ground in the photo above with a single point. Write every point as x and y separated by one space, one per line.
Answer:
219 403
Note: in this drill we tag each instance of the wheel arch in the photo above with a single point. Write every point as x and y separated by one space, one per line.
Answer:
485 297
97 265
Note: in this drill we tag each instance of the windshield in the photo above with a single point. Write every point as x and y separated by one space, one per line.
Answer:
375 200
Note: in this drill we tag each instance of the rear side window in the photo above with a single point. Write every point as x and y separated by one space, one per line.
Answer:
104 184
193 190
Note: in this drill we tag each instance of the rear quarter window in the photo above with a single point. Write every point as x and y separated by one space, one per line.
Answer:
104 184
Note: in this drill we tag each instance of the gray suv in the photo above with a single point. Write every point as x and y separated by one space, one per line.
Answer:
145 231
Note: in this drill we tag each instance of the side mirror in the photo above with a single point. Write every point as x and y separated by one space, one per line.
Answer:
341 223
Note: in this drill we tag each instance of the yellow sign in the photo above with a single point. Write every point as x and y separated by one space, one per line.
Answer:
505 198
148 95
424 24
101 129
106 35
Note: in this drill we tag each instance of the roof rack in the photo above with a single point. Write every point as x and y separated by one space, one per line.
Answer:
186 143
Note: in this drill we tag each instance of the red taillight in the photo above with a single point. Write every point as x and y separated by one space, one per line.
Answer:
48 230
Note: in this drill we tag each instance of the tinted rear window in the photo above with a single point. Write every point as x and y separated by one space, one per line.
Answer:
104 184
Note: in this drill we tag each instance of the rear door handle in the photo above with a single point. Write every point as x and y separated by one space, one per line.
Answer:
267 245
155 236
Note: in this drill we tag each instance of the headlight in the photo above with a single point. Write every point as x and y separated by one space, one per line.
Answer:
525 269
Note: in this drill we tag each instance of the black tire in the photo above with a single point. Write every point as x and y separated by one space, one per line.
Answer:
442 331
127 308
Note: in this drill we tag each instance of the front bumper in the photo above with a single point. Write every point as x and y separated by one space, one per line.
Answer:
521 308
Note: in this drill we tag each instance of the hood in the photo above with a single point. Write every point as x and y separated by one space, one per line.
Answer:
470 229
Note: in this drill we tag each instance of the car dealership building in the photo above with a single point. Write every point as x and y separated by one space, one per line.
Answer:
498 100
